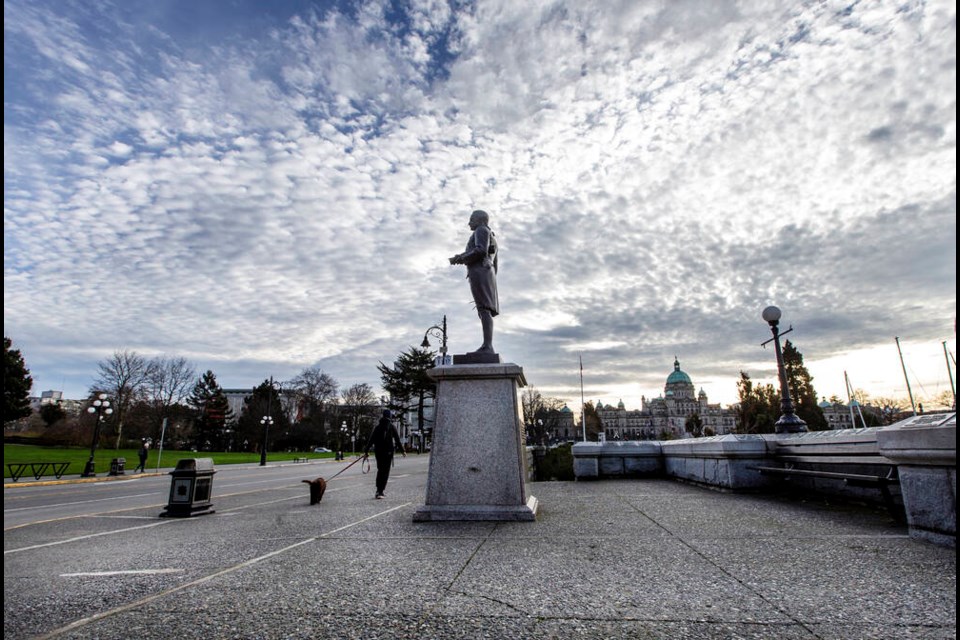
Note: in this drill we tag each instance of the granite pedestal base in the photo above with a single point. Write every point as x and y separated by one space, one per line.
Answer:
477 462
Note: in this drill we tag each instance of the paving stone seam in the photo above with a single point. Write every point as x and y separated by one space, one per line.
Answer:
776 606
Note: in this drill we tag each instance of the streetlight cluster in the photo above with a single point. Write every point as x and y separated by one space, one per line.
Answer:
267 420
100 406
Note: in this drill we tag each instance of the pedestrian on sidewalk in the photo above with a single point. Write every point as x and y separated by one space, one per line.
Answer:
384 440
142 454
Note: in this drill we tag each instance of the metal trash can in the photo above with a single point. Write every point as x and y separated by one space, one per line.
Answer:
190 489
117 466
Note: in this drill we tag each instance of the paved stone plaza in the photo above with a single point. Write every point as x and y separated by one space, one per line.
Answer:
605 559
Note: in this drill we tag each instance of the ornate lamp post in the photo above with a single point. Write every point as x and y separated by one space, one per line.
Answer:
267 422
342 439
100 406
789 422
438 331
353 437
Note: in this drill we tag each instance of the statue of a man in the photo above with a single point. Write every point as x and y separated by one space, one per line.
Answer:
480 257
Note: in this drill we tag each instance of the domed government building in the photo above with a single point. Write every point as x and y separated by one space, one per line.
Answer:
666 416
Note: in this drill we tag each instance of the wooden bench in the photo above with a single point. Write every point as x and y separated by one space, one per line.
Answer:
37 469
301 459
852 479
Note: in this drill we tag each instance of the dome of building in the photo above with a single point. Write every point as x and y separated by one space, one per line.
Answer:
678 377
566 409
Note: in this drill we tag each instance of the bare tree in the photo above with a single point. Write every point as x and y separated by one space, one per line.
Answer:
541 415
532 402
890 408
359 405
168 383
123 377
314 389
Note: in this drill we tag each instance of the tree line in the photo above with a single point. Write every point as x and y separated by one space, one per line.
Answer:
165 396
759 404
149 394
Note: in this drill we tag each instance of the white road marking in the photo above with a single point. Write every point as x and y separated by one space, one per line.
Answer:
70 504
132 572
106 614
86 537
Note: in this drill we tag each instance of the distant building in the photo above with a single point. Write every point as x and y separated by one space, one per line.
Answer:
70 407
237 398
666 414
559 425
565 426
850 416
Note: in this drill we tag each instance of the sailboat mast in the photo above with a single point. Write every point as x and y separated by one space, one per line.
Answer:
953 388
851 400
583 405
846 381
913 405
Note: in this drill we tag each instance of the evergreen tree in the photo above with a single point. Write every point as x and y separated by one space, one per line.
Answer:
594 424
801 389
16 384
263 401
694 425
52 413
408 384
211 414
759 406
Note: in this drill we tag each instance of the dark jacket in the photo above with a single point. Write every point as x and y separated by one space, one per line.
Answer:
384 438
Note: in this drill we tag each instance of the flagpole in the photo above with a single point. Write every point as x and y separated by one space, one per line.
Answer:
583 405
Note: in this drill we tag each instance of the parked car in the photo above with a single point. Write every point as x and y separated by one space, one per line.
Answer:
322 450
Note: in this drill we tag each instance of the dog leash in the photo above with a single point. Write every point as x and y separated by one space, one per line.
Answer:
351 464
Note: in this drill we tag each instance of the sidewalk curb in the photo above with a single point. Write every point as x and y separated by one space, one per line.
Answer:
10 484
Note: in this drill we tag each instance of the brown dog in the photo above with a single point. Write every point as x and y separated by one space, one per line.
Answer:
317 487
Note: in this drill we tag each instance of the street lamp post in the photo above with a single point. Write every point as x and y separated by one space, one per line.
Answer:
789 421
100 407
438 331
353 437
343 438
267 422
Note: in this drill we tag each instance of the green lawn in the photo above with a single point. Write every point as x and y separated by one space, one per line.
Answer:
77 457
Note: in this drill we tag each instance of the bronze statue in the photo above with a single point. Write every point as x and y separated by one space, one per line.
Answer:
480 257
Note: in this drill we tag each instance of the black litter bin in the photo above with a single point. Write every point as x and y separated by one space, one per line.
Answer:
190 489
117 466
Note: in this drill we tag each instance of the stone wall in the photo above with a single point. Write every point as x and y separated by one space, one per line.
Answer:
921 452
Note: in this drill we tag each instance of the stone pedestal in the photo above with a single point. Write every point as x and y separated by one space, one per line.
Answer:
477 461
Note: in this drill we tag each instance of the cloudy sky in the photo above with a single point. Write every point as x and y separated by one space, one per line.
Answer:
262 187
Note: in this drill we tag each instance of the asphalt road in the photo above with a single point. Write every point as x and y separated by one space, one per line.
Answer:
32 503
78 549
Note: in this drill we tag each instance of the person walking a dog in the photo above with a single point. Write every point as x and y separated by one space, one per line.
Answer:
384 440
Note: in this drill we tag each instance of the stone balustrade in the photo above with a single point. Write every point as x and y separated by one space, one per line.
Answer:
921 451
